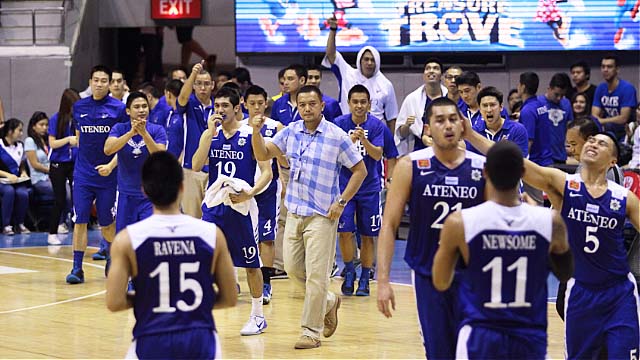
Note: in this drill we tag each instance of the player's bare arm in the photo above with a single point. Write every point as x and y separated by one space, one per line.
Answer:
452 244
119 273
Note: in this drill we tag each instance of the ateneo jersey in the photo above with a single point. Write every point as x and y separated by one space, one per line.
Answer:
232 157
436 191
595 228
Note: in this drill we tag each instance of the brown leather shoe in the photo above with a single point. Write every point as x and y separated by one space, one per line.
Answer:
307 342
331 318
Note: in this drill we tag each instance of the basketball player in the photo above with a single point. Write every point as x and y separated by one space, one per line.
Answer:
161 252
601 300
227 145
508 248
435 181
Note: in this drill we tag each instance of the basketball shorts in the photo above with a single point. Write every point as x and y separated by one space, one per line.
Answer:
189 344
362 211
130 209
476 342
269 211
83 196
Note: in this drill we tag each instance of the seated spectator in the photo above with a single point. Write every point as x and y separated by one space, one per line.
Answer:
13 191
579 106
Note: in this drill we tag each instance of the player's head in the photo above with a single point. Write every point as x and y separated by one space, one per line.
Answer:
578 131
609 67
295 76
255 99
227 102
99 81
601 149
367 63
558 87
580 72
359 101
512 98
490 102
529 82
281 79
178 73
450 76
137 106
204 85
444 123
432 72
117 84
468 84
151 91
504 166
242 77
162 179
172 91
310 104
314 75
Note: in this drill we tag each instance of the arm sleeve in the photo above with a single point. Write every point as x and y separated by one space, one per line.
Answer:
280 140
349 155
29 144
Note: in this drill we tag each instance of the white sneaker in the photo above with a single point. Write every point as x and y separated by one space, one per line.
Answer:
7 230
52 239
63 229
23 229
255 326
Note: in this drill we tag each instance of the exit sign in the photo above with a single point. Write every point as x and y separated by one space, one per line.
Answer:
176 10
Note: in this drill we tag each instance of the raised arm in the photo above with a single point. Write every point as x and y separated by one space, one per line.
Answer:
201 156
187 87
331 40
262 150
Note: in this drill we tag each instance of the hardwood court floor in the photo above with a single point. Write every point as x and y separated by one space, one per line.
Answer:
43 317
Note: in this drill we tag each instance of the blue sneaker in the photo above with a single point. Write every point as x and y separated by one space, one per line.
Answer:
100 255
75 277
348 283
363 288
131 291
266 294
107 266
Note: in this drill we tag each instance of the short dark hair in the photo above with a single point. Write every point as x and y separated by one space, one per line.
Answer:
441 101
613 57
102 68
586 126
174 86
315 67
281 73
468 78
242 75
255 90
232 94
505 165
511 92
179 68
136 95
434 60
224 73
309 89
531 81
161 178
560 80
490 91
233 86
584 65
151 89
300 70
361 89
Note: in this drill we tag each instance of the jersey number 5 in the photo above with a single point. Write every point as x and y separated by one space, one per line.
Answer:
186 284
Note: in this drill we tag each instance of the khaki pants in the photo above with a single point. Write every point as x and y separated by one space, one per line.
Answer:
309 250
195 184
278 262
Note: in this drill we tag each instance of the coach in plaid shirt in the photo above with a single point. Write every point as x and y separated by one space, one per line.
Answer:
316 149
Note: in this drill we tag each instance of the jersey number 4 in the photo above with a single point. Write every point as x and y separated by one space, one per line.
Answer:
186 284
495 266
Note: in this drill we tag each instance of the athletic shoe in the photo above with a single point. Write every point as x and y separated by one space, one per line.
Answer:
75 277
100 255
52 239
7 230
331 318
63 229
266 293
279 274
307 342
348 282
334 271
363 288
131 291
23 229
255 326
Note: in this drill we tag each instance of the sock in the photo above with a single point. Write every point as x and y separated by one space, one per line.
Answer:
364 275
77 260
267 272
256 307
348 266
103 244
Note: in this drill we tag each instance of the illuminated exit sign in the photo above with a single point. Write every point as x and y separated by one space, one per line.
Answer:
176 10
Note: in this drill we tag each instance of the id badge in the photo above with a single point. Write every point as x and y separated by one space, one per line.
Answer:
296 174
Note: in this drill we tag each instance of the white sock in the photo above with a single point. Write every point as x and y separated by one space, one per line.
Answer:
256 307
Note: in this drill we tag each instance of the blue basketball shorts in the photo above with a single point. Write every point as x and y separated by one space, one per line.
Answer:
83 196
477 342
189 344
269 211
363 209
130 209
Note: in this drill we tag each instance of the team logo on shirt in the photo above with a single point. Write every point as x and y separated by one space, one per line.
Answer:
574 185
615 204
556 116
424 164
242 141
476 175
268 132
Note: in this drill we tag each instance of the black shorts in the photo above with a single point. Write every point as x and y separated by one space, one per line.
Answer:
185 33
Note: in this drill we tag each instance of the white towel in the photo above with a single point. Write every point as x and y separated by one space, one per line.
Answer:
218 193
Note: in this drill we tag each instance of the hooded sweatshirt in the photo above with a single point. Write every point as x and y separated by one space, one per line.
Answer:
383 97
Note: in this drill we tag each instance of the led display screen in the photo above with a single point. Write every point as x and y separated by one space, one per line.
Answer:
299 26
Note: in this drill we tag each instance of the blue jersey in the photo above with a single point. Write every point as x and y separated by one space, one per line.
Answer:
232 157
540 152
611 103
174 284
94 120
374 132
65 153
436 191
554 117
595 228
510 130
505 283
175 133
195 123
284 112
132 156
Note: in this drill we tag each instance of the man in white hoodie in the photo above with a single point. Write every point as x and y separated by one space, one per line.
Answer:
384 105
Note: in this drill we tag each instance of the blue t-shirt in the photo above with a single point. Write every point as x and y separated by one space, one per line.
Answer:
611 103
132 156
65 153
555 118
175 133
331 108
540 152
511 130
159 114
94 120
232 157
283 112
374 132
195 124
436 191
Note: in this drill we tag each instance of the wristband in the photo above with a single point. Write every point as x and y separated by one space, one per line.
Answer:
333 28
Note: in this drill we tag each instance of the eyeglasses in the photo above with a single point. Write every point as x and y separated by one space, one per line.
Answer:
203 83
450 77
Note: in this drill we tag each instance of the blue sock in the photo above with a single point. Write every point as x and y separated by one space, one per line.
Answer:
349 266
364 275
77 260
104 244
